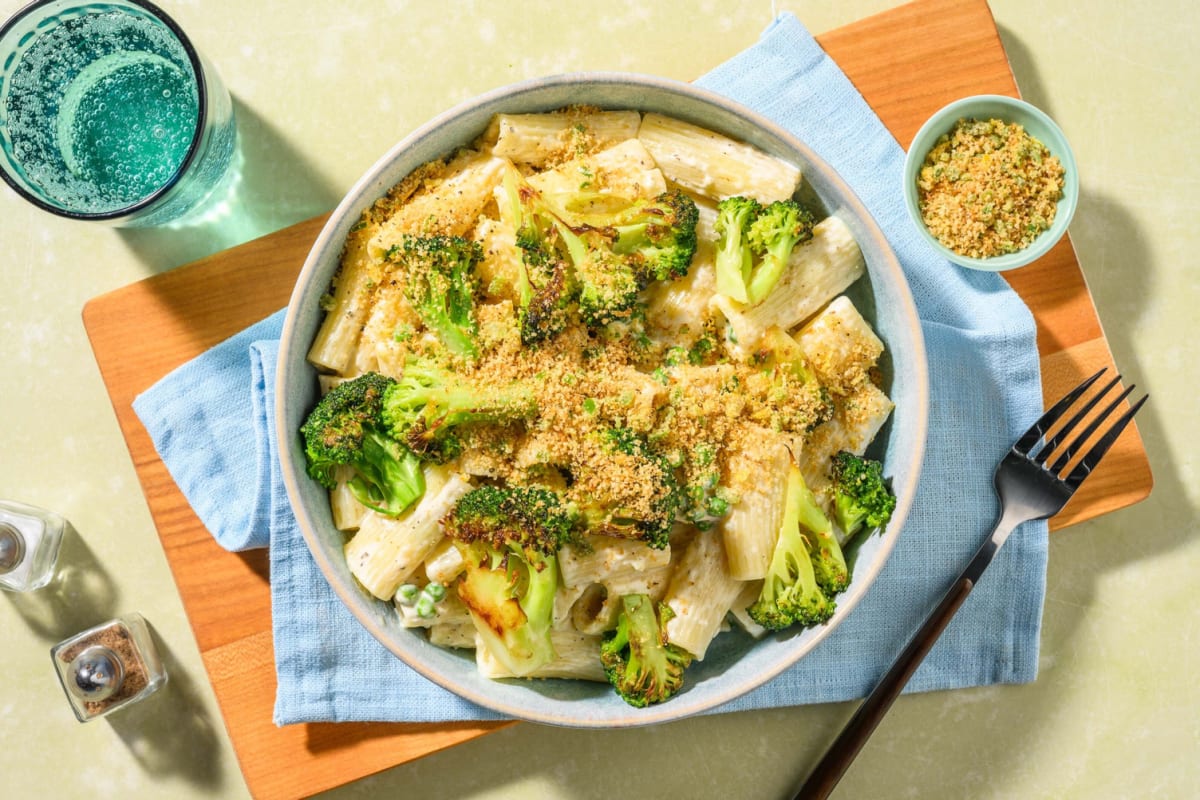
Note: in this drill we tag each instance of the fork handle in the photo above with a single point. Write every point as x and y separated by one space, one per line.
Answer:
845 747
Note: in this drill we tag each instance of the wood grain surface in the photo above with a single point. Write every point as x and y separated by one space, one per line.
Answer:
139 333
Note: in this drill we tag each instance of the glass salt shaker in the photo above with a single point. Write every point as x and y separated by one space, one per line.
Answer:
29 542
108 667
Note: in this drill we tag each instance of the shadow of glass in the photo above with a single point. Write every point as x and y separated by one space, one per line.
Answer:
80 595
269 186
170 732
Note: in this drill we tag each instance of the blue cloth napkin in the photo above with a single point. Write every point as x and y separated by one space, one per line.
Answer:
206 416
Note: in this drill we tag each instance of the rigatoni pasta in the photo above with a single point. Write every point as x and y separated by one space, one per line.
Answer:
540 139
714 165
700 594
610 443
386 551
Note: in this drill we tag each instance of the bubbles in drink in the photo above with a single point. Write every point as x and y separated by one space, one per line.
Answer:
102 110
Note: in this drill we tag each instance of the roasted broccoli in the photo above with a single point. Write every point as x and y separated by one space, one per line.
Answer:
790 592
618 253
642 666
608 283
773 235
654 529
754 243
439 282
430 401
861 497
828 560
658 236
706 501
601 259
544 287
509 537
346 428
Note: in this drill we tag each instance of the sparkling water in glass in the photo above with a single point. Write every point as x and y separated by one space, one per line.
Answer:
108 113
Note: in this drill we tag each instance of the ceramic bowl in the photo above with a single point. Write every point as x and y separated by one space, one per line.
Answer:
735 663
1037 125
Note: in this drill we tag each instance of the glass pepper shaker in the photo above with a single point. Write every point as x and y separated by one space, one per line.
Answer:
107 667
29 542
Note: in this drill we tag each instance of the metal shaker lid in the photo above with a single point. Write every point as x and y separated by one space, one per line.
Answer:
12 548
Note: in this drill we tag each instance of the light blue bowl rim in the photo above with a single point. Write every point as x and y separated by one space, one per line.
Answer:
1012 109
908 437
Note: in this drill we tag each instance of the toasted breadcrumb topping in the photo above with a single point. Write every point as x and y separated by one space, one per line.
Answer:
684 391
988 188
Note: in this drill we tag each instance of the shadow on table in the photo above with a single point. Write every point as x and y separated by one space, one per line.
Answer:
170 732
269 186
81 594
1104 224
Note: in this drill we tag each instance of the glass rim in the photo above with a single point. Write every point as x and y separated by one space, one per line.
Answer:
193 149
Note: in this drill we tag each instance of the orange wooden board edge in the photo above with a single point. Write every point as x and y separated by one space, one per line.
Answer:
141 332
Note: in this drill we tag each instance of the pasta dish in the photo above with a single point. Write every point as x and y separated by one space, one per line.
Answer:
592 393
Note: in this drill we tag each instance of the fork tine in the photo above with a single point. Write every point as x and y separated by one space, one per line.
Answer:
1093 456
1061 462
1065 431
1039 428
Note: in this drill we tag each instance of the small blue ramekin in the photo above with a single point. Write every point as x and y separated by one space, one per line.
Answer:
1037 125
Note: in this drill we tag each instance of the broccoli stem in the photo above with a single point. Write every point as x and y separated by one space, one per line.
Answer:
640 664
829 562
511 601
790 592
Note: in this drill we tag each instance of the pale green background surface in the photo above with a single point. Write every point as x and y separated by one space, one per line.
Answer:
322 89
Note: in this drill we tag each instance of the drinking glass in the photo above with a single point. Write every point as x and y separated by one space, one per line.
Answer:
108 113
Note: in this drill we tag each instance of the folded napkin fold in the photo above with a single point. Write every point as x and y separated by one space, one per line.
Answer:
208 415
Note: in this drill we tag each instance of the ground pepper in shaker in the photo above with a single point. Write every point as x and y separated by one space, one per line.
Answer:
108 667
29 542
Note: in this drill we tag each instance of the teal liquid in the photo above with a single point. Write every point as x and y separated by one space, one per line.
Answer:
102 111
125 124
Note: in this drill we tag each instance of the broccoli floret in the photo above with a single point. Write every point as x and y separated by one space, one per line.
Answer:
790 592
509 537
608 283
602 260
642 666
861 497
773 235
617 253
429 402
828 560
658 236
655 529
705 500
544 289
346 428
734 259
754 243
439 282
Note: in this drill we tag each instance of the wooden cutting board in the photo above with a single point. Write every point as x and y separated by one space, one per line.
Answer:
907 62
